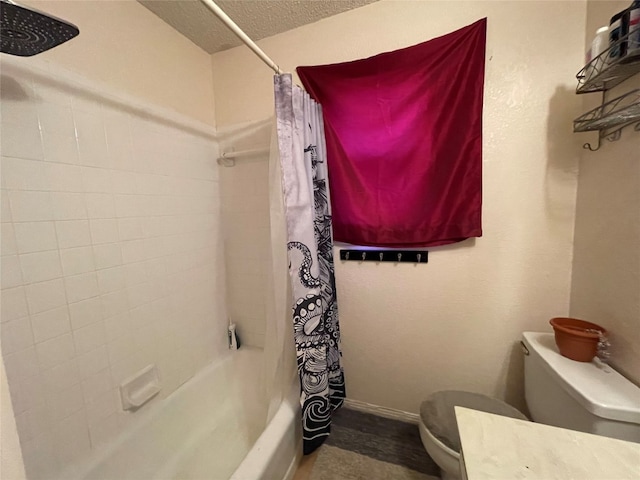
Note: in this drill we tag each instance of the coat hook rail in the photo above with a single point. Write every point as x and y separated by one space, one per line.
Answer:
401 256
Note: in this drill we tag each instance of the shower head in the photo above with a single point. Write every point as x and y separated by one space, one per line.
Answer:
26 32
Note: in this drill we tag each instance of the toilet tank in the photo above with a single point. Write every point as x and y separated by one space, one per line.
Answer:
586 396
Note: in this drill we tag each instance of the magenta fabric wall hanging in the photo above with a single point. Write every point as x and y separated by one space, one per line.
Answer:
404 141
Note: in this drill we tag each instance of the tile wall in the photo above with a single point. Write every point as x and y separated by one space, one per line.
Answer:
111 259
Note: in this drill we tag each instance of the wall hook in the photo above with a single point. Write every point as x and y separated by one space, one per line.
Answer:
399 257
418 256
587 146
381 256
364 256
615 135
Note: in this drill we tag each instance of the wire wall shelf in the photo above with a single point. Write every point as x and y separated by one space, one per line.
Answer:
610 118
610 68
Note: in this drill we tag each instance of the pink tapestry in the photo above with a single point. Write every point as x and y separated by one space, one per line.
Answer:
404 141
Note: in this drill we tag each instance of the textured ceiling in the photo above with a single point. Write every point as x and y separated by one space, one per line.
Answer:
258 18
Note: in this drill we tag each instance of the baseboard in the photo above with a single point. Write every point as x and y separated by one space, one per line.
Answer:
385 412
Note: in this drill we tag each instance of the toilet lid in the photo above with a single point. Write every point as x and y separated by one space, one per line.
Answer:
438 415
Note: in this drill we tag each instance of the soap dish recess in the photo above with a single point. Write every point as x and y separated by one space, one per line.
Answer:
140 388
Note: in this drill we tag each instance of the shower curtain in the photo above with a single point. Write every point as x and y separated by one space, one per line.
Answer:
305 191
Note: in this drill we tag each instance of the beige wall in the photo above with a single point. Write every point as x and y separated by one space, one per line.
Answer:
454 323
606 266
124 45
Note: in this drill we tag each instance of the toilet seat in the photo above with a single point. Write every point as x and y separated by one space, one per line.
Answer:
439 430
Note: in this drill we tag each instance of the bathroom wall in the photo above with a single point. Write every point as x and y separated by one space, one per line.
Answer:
123 44
454 323
606 264
111 239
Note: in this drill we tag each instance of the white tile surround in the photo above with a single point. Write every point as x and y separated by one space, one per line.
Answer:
111 257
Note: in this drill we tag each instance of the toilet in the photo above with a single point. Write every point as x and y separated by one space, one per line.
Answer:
585 396
439 431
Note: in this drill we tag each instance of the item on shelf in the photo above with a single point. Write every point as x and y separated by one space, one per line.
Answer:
599 44
633 42
617 28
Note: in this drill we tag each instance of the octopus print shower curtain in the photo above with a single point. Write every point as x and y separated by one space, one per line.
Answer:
310 249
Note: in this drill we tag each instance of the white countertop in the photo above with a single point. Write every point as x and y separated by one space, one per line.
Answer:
496 447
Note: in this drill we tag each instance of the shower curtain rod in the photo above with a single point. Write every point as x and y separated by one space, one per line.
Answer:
227 159
211 5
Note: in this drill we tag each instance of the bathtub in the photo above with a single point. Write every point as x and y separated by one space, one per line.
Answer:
212 427
277 453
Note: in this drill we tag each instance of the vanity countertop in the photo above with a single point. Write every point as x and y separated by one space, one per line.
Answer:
496 447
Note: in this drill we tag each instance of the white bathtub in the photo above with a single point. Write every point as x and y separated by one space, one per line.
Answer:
277 453
211 428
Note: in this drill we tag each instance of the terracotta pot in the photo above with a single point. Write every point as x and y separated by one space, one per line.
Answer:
576 339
